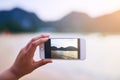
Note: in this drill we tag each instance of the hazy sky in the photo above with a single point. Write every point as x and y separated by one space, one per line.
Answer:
64 42
56 9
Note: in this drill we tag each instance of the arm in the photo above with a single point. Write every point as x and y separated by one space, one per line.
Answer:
24 62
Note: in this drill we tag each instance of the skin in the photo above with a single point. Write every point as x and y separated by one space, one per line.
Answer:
24 63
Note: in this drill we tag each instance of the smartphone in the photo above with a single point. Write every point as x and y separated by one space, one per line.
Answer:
63 48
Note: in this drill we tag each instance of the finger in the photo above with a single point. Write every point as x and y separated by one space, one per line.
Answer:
42 62
37 38
32 47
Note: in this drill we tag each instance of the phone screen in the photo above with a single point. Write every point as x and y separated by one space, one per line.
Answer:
66 48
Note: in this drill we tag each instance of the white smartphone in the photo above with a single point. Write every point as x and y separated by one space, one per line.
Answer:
63 48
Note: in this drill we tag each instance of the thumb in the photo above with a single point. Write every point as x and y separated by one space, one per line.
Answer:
42 62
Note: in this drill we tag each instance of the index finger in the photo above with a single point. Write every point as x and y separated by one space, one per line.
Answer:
37 38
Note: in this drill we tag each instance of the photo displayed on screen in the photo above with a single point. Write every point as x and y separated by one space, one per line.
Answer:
64 48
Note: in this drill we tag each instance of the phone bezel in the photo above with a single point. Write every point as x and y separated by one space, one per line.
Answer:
81 51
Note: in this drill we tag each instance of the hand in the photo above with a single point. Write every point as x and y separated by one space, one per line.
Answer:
24 62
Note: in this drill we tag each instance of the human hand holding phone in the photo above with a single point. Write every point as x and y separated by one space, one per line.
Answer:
24 62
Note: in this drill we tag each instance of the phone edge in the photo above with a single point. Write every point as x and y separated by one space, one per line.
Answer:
82 49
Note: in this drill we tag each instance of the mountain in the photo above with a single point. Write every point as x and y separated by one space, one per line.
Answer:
69 48
81 22
18 20
73 22
109 23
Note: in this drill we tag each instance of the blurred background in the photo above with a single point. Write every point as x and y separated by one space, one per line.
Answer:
96 21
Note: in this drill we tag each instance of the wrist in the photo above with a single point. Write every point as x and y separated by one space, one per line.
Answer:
8 75
15 73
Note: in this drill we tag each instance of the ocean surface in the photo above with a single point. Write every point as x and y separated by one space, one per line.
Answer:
101 63
64 54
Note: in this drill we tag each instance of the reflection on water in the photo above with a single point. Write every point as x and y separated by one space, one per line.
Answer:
57 54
